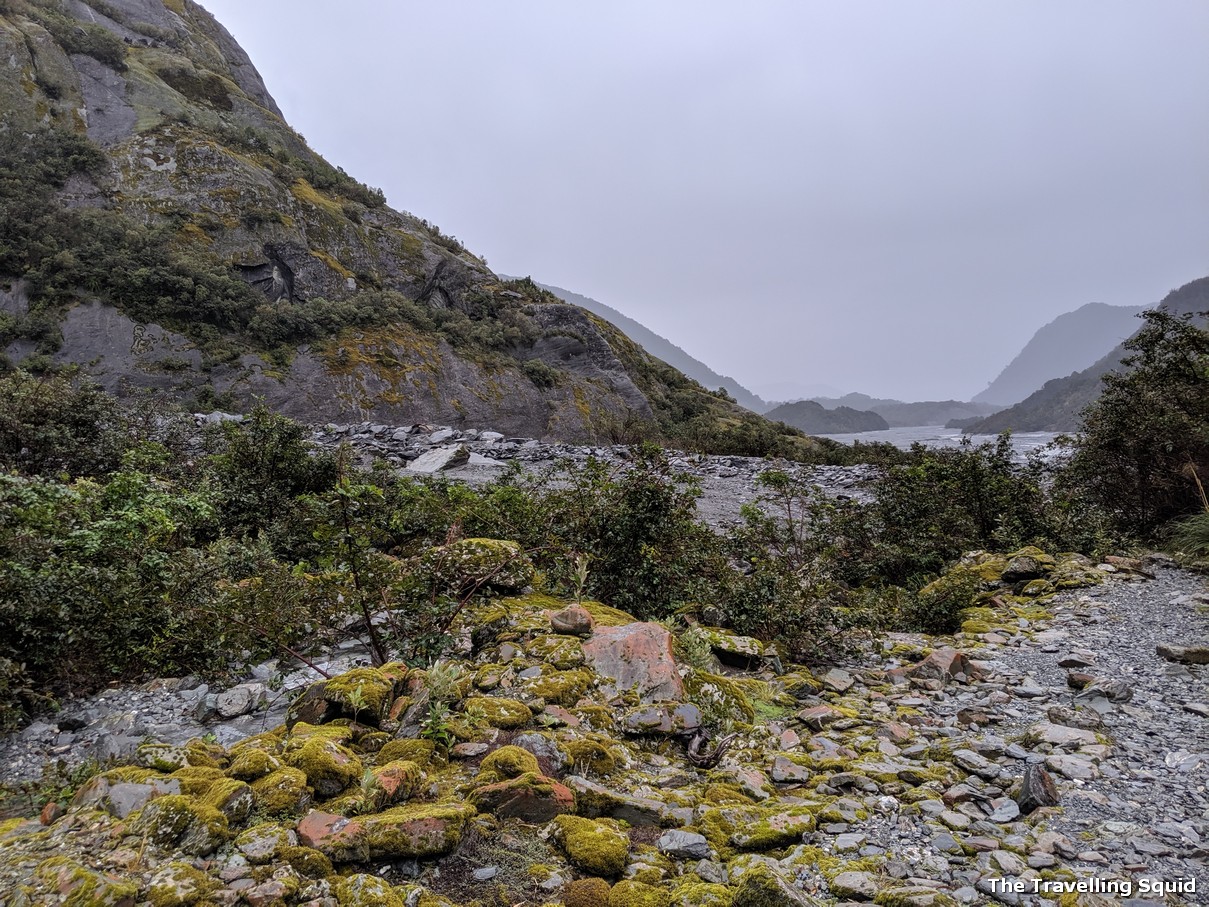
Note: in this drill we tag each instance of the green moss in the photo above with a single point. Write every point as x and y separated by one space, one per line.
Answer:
912 897
498 712
282 793
595 847
366 891
629 893
586 893
418 751
362 693
606 616
180 885
701 894
234 799
563 688
181 822
197 781
507 762
308 863
83 887
329 767
591 755
719 698
251 764
561 652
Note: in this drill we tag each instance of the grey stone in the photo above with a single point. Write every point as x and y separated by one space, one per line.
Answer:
440 459
683 845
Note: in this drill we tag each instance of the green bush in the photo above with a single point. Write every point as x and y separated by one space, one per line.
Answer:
1145 441
56 424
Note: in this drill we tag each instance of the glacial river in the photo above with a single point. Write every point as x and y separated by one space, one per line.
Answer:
939 436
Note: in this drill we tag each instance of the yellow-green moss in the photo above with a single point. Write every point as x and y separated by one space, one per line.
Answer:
562 652
507 762
234 799
595 847
719 698
591 755
85 887
562 687
629 893
366 891
178 821
498 712
586 893
251 764
180 885
329 767
197 780
362 693
701 894
418 751
308 863
282 793
606 616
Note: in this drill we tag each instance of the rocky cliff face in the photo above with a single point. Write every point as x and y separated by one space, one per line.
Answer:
344 309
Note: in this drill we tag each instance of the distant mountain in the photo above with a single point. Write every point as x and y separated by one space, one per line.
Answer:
662 348
1057 405
815 419
900 415
1069 343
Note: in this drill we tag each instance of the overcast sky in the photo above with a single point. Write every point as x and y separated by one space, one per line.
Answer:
887 197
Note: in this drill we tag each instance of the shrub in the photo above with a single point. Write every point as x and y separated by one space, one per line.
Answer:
1146 439
54 424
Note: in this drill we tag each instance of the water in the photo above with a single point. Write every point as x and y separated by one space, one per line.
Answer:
1023 443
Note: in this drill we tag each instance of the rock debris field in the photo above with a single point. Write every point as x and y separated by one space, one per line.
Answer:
1056 751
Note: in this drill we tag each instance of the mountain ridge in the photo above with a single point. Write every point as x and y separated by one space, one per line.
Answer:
1057 405
1072 342
167 229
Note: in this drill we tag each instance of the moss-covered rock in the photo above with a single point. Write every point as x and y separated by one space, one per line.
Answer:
179 885
414 831
308 863
418 751
592 754
696 893
82 887
629 893
762 887
250 765
182 823
719 698
506 762
530 797
366 891
264 843
363 694
480 564
563 688
282 793
591 892
498 712
595 847
328 766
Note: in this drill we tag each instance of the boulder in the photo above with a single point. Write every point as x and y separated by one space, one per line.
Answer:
594 847
635 657
440 459
665 719
1189 655
762 887
530 797
574 620
411 832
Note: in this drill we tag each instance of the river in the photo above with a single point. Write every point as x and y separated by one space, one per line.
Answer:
1024 442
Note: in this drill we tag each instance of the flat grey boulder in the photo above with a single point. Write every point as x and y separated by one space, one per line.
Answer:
439 459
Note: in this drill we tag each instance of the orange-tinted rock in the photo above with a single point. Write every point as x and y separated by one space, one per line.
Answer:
530 797
636 657
942 664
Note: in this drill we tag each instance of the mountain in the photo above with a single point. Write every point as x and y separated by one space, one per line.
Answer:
162 226
1059 402
1070 343
662 348
813 418
899 414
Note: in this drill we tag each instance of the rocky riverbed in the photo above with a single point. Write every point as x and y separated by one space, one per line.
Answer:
570 768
